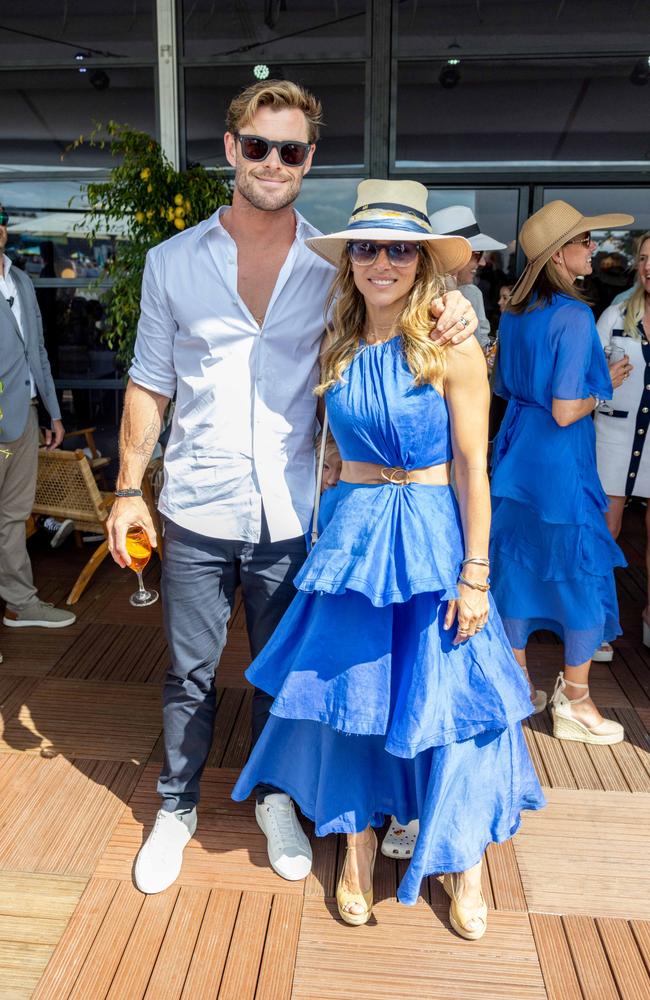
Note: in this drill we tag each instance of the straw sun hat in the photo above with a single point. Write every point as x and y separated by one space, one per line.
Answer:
548 230
392 211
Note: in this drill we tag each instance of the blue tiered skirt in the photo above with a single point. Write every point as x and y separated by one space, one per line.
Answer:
375 711
552 556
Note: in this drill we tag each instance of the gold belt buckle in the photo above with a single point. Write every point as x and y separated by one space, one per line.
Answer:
391 474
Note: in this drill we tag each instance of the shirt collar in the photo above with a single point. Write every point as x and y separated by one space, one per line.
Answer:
7 265
304 230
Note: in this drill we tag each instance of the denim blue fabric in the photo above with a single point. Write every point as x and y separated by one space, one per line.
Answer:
552 555
375 712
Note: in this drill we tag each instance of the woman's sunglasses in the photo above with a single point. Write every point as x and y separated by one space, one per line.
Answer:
255 148
399 254
4 218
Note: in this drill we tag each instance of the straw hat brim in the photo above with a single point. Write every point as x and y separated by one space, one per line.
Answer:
584 224
453 252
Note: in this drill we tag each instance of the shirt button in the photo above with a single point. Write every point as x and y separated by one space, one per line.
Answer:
636 454
640 431
644 410
632 475
648 387
26 381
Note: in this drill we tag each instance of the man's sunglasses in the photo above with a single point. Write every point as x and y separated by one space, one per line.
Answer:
255 148
399 254
4 218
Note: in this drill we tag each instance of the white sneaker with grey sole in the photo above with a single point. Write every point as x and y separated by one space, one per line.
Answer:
160 858
287 843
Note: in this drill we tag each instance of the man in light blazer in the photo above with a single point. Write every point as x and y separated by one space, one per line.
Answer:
24 374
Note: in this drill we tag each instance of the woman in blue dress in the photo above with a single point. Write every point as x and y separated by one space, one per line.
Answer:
552 556
395 688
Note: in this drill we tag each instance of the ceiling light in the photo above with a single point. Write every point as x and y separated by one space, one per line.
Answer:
449 76
261 71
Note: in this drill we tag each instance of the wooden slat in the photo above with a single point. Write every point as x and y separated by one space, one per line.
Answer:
139 957
239 744
34 912
120 654
641 931
600 867
409 952
212 945
37 833
84 925
175 954
104 955
627 965
555 958
591 965
276 971
557 767
246 947
90 719
322 879
230 705
507 890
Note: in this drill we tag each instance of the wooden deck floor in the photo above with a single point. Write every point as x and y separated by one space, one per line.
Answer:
79 754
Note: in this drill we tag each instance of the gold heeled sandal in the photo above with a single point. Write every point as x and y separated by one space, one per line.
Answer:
460 916
345 898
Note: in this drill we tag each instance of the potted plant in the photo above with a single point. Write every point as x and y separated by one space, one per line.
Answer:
149 201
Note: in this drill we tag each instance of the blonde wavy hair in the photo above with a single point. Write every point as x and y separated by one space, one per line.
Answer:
634 307
424 357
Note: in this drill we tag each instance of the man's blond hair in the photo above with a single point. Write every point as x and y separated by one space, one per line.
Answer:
276 94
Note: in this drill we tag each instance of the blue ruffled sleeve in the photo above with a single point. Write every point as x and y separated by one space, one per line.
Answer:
580 368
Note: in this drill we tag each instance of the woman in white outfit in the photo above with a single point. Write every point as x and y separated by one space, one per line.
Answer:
621 451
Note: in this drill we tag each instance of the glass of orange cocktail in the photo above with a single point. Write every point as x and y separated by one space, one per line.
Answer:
139 548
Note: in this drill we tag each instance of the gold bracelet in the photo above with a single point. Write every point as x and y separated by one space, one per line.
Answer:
483 587
478 560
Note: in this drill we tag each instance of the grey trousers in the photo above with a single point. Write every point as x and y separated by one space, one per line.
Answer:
199 579
17 491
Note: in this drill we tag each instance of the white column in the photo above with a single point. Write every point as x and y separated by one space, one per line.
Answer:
168 80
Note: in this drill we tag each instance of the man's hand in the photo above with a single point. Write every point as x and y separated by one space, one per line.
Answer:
454 318
125 512
54 437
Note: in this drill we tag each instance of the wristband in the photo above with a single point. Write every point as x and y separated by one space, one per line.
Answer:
128 493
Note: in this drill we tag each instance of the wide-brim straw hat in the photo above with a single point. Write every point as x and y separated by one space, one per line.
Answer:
459 220
548 230
396 212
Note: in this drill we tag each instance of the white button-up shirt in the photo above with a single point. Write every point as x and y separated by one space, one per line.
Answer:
245 417
9 291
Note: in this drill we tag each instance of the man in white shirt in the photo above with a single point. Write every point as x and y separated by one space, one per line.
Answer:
231 323
24 374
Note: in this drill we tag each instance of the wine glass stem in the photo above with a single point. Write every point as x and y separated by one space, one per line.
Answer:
140 583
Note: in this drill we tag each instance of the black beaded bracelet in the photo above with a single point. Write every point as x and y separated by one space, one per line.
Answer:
128 493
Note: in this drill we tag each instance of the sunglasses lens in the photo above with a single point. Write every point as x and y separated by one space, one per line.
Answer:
4 218
253 148
402 254
362 253
293 154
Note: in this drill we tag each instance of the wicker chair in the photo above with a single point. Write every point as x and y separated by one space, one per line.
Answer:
66 488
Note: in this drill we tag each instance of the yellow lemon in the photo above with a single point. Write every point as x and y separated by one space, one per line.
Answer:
179 223
187 205
179 212
149 188
145 174
139 216
150 213
178 199
170 214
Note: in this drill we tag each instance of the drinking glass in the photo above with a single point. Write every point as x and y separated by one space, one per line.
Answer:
139 548
613 353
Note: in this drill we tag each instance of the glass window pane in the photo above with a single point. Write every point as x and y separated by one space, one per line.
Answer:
73 324
121 28
271 29
327 202
340 88
466 27
45 110
520 111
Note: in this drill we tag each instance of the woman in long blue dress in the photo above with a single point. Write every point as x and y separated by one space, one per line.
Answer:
552 556
381 705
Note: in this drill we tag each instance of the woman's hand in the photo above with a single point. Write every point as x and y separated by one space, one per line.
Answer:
472 609
619 371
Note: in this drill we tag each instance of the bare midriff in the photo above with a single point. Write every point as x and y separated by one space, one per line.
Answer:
369 474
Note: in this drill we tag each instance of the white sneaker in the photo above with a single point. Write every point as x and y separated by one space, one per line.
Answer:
58 529
160 858
287 844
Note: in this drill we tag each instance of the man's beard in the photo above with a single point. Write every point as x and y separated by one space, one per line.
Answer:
267 201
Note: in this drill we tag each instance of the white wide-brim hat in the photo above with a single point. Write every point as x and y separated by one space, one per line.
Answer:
459 220
395 212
